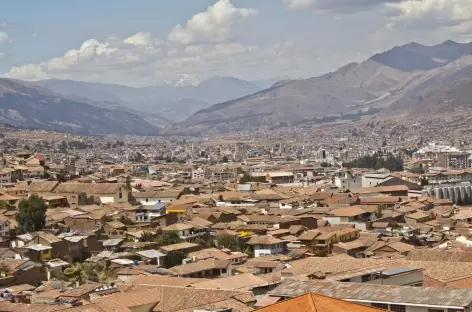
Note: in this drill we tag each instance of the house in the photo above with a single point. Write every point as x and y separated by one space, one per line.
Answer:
24 271
186 231
152 256
266 245
374 179
261 266
39 187
384 248
114 228
394 190
218 254
400 276
352 215
105 192
352 248
113 244
156 197
388 297
5 226
59 247
6 176
204 269
38 252
418 217
21 240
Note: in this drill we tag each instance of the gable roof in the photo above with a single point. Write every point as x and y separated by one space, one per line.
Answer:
89 188
315 303
42 186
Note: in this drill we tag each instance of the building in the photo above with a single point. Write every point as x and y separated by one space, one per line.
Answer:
348 181
444 156
388 297
266 245
106 192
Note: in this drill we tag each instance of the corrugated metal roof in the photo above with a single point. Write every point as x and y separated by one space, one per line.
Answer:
441 297
150 253
399 270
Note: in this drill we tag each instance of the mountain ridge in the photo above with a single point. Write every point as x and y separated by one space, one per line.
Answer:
354 87
29 106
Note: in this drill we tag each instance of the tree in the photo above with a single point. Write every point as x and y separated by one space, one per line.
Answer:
31 214
6 205
246 178
225 159
168 238
126 221
379 210
227 241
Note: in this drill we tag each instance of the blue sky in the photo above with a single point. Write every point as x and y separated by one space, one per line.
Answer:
140 42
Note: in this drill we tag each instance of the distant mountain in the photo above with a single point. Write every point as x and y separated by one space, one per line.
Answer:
267 83
29 106
394 81
162 103
414 56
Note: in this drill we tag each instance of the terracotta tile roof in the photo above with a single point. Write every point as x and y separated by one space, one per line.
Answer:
200 266
179 246
263 240
246 281
316 303
88 188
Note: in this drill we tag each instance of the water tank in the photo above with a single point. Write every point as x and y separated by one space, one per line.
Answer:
445 192
463 195
456 198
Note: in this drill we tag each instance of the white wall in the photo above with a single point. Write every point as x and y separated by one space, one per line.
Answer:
107 199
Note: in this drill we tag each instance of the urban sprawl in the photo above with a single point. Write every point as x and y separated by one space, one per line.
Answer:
331 219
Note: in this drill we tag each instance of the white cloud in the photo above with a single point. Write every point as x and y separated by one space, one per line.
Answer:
336 6
200 48
455 15
4 39
213 25
141 39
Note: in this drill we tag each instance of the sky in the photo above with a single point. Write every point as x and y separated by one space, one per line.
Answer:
151 42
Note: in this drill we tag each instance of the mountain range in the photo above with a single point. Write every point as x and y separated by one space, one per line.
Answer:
31 106
411 79
162 104
401 80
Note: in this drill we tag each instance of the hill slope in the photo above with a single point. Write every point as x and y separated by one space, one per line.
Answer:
393 81
35 107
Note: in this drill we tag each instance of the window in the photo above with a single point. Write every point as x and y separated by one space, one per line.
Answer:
397 308
435 310
147 200
223 271
379 305
366 278
121 195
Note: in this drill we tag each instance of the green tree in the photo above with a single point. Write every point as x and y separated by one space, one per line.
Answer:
379 210
246 178
126 221
83 271
6 205
168 238
227 241
31 214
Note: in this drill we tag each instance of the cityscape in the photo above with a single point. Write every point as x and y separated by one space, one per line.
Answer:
207 156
